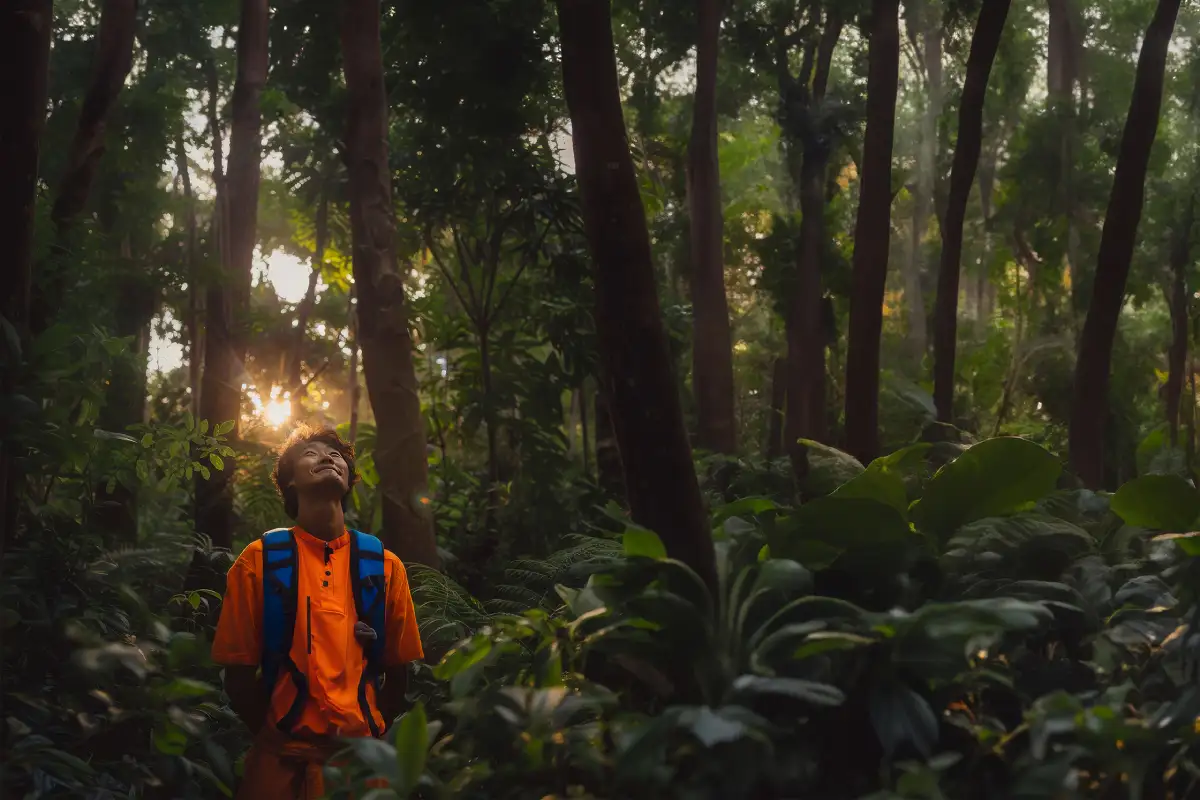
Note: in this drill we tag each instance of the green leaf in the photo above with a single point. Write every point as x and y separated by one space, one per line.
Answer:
204 471
203 427
867 533
639 542
1161 502
225 427
994 478
813 692
412 747
142 470
217 462
189 422
148 440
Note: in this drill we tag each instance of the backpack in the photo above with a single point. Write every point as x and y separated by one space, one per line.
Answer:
280 602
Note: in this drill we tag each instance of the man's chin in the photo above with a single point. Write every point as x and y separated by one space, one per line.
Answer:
328 485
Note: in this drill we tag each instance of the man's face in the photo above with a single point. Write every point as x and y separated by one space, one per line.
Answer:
320 470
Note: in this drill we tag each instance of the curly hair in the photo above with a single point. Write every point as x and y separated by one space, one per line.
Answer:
288 451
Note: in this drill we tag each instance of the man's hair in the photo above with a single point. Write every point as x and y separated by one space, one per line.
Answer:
286 463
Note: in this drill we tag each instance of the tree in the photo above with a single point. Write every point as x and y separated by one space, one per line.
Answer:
1089 408
25 31
984 44
806 335
712 355
871 233
114 57
228 298
647 415
382 319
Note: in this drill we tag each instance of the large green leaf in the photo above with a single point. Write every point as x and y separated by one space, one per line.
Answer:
828 468
412 746
868 532
993 478
1161 502
1023 540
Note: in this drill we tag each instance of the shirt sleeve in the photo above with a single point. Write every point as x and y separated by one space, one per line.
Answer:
403 638
237 641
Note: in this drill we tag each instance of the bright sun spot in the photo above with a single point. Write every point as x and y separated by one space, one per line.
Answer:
276 411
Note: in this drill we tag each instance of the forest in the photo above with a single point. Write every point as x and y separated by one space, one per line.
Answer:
767 398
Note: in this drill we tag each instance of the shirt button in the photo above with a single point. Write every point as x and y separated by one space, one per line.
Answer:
324 583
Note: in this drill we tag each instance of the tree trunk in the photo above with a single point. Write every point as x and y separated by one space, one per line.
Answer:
660 479
1090 403
228 298
25 30
296 385
805 390
1178 299
114 57
584 428
383 331
609 472
353 383
984 45
872 233
712 348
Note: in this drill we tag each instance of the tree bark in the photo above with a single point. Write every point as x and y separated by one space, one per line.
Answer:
660 479
114 57
1090 402
383 330
872 234
1177 356
228 298
712 348
805 392
984 45
25 31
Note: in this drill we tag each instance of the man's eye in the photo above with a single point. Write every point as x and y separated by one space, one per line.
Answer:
336 454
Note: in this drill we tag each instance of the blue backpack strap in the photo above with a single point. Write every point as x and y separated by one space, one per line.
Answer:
368 579
280 570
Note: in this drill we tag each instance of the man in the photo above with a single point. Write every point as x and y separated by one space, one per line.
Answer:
323 685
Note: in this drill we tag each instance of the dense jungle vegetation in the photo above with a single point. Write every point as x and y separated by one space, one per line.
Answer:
769 398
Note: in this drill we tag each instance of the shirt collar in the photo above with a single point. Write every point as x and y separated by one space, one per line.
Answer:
312 541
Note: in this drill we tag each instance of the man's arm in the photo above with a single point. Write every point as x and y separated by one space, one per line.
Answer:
246 696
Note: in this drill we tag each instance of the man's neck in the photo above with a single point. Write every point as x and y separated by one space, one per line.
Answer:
324 520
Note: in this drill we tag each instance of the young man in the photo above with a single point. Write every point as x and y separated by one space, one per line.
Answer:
324 686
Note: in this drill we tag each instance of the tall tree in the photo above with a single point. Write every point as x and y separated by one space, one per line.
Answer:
1177 299
383 329
660 480
984 44
712 352
806 335
872 233
1089 409
25 28
114 57
227 298
927 42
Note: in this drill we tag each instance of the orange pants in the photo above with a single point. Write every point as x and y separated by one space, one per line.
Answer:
279 767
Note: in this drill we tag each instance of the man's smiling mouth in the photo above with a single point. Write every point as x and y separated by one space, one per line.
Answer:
324 467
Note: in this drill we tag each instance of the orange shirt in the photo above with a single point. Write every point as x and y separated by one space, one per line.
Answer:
323 643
